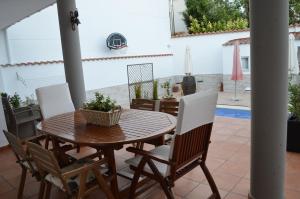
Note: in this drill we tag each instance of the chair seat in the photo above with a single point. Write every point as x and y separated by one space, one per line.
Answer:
163 151
74 182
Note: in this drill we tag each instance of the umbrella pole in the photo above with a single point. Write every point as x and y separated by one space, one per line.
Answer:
235 98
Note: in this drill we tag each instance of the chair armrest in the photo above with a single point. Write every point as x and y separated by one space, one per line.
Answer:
35 138
150 155
85 167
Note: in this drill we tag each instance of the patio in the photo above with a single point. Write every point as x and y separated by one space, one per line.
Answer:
229 161
231 148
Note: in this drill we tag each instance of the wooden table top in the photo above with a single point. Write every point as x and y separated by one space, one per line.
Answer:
134 125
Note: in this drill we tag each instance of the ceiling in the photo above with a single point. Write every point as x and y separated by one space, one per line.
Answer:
12 11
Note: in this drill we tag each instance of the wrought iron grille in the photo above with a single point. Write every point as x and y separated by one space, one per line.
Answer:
140 74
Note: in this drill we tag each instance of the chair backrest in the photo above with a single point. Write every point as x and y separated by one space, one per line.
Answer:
54 100
16 146
9 115
170 107
193 129
44 159
143 104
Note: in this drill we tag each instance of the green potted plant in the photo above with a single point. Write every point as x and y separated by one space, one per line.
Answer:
101 111
155 90
4 95
15 101
293 130
167 86
138 90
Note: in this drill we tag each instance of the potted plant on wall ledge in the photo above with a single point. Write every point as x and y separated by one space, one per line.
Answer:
138 90
293 130
167 93
101 111
139 99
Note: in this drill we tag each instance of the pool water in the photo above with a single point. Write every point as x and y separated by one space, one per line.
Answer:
233 113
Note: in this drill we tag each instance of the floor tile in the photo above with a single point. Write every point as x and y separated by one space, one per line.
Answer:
184 186
224 181
203 191
235 196
242 187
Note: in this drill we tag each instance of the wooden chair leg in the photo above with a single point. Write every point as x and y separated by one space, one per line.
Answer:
42 189
48 190
82 183
103 185
163 183
210 180
136 177
47 142
78 148
22 183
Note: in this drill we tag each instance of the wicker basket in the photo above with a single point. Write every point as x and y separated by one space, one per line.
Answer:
102 118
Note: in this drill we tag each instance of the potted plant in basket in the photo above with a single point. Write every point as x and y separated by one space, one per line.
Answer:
293 131
101 111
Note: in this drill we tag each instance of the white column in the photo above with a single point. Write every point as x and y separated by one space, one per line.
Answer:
269 79
71 52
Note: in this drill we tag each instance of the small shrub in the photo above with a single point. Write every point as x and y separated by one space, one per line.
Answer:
205 25
4 95
15 101
294 100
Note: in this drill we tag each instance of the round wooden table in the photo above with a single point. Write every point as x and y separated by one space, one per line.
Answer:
134 126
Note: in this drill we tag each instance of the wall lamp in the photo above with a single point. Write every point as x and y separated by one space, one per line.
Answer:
74 19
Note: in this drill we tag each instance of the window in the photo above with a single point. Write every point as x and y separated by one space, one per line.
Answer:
245 64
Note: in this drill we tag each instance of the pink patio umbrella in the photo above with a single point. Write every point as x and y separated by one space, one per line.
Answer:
237 73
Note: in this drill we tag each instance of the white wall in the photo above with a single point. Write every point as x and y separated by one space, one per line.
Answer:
206 52
144 23
36 38
3 48
228 57
24 79
98 74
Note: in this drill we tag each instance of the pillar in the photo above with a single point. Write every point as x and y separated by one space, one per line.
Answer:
71 52
269 80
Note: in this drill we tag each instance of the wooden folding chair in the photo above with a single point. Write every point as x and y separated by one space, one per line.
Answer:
148 105
143 104
23 160
55 100
168 106
76 180
188 149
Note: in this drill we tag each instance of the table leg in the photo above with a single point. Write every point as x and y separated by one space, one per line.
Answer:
59 152
110 155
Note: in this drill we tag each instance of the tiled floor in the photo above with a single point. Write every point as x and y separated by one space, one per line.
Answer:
228 160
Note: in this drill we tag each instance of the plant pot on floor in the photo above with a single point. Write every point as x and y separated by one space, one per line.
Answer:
293 136
188 85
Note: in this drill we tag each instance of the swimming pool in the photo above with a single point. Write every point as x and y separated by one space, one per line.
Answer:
233 113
